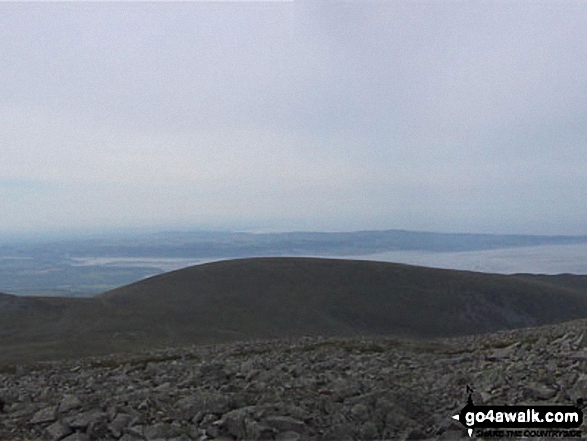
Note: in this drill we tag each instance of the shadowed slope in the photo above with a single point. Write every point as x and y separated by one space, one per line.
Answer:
286 297
270 297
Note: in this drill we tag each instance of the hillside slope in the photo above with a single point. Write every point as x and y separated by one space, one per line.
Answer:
285 297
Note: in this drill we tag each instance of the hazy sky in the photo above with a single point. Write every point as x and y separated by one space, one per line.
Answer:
441 115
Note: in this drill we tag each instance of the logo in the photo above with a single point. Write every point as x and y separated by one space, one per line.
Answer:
538 421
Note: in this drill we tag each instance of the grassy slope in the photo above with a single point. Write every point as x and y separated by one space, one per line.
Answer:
281 297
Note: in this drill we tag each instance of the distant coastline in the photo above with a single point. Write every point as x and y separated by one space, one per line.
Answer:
84 267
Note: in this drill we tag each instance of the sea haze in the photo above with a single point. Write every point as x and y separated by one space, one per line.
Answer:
161 264
84 267
540 259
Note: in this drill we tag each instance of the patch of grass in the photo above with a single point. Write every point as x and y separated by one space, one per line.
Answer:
8 369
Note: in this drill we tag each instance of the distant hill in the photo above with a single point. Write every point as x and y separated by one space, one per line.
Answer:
264 298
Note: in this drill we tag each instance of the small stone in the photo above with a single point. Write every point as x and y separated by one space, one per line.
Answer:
144 405
285 424
85 419
135 431
163 387
369 430
234 422
288 436
579 355
121 421
416 433
503 353
57 430
359 412
77 437
47 415
156 431
69 402
540 392
581 341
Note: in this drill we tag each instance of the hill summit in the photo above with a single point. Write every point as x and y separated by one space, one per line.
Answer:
266 298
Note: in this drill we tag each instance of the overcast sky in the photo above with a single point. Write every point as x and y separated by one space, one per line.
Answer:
457 116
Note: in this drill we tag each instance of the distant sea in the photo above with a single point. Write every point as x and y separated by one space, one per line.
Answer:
542 259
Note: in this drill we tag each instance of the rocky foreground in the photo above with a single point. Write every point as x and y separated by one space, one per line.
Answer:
359 388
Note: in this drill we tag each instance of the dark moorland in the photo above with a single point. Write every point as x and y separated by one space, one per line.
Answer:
267 298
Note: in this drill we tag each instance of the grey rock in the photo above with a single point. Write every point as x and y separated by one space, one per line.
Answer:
581 340
188 407
416 433
234 422
285 424
359 412
135 431
256 431
120 422
46 415
157 431
57 431
69 402
503 353
82 421
540 392
164 387
129 437
579 355
77 437
288 436
311 388
368 430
